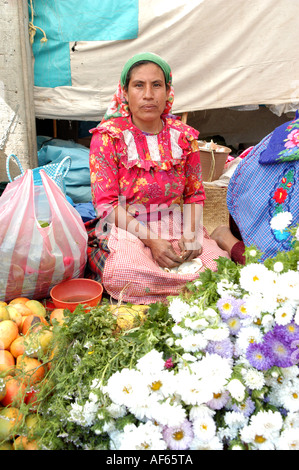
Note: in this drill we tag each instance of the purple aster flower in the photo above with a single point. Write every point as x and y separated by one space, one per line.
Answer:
280 350
219 400
286 333
259 356
178 437
240 309
234 324
247 408
224 348
295 352
227 306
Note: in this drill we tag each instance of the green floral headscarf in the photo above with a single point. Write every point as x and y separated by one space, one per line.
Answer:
118 105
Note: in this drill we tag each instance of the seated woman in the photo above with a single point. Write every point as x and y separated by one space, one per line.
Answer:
262 196
147 191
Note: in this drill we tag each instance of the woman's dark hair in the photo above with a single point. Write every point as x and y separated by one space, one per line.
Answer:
137 64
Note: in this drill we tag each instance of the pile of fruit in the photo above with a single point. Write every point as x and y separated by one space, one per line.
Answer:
26 348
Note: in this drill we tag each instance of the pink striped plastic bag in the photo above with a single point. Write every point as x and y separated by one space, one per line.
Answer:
43 240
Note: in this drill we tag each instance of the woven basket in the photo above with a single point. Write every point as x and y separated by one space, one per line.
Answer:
215 210
212 160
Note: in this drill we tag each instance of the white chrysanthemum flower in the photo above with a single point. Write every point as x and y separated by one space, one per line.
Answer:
296 316
204 428
256 278
210 314
253 305
269 423
288 286
146 436
235 420
197 324
278 267
254 379
236 389
168 413
116 411
288 440
288 396
292 421
268 322
248 335
200 411
212 444
249 435
284 314
263 430
116 437
151 362
191 389
84 415
217 334
178 309
125 387
161 384
214 371
193 343
281 221
179 330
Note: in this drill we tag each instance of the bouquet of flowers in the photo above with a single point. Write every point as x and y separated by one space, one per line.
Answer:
214 369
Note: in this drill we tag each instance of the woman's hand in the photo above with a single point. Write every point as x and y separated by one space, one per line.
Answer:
163 253
190 247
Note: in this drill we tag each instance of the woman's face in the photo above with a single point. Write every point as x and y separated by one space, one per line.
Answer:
146 95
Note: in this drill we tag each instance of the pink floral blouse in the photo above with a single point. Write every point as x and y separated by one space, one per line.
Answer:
145 169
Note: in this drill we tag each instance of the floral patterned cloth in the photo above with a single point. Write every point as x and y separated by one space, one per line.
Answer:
147 170
283 145
149 173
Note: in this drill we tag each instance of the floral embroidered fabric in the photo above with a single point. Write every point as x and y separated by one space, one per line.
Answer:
283 145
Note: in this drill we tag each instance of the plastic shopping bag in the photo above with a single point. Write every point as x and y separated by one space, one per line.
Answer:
43 240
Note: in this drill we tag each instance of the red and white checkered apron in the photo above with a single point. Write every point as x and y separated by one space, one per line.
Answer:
132 275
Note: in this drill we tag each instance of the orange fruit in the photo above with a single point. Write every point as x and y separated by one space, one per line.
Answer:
15 392
57 314
22 443
19 300
15 315
7 361
17 347
36 307
30 369
4 315
8 332
9 419
23 309
33 323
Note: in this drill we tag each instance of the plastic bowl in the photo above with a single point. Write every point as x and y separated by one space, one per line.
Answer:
69 294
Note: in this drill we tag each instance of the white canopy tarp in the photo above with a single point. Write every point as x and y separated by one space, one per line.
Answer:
223 53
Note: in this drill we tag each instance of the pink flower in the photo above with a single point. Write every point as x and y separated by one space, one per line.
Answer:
293 139
169 364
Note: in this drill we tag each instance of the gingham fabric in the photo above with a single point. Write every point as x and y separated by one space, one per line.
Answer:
132 275
97 252
259 196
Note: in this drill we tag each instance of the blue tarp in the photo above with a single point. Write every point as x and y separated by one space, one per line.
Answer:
69 21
